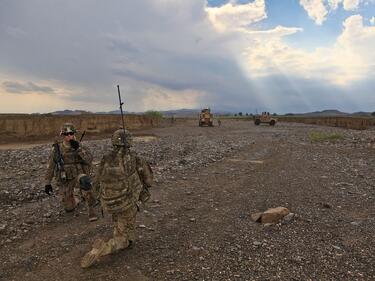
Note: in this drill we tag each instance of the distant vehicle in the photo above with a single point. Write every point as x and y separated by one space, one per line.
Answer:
206 118
265 118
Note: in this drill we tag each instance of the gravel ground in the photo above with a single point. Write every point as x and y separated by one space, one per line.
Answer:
197 226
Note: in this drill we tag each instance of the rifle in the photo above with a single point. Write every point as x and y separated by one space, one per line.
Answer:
59 162
122 113
83 134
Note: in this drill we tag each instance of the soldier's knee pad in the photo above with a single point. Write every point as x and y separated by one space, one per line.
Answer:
85 182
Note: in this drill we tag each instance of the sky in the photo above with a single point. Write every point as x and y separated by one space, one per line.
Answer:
238 55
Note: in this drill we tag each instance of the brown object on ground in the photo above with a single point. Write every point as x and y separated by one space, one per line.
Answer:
256 217
205 118
274 215
266 118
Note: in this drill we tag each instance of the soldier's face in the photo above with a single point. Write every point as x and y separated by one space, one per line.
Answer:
68 136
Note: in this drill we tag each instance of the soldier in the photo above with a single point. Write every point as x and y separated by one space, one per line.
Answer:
122 180
219 122
69 163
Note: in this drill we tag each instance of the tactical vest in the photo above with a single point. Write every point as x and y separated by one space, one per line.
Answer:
119 183
73 165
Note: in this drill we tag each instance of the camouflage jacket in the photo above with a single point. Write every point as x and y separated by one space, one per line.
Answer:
76 162
122 179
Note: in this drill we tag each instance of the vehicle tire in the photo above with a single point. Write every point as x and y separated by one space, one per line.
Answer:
257 122
272 123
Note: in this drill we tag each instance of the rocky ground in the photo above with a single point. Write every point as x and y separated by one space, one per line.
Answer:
197 225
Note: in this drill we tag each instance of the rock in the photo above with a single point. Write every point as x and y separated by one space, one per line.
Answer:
195 248
3 228
256 217
274 215
326 206
288 218
257 243
336 247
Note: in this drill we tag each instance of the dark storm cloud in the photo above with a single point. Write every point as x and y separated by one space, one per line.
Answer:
22 88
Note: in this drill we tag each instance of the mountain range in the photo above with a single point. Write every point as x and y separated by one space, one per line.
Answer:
193 112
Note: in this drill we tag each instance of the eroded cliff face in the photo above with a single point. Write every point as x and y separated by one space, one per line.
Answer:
356 123
17 127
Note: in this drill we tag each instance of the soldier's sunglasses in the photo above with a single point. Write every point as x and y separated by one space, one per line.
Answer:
68 134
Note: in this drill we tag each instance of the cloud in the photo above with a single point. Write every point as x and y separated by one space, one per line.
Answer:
278 31
351 5
168 54
318 10
27 87
350 59
164 99
315 9
372 20
236 16
333 4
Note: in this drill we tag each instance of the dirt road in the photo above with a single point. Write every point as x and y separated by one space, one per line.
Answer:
197 225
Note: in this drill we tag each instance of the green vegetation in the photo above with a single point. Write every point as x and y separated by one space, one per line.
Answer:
323 136
154 114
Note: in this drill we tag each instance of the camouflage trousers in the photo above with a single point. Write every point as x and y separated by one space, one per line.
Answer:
71 193
123 235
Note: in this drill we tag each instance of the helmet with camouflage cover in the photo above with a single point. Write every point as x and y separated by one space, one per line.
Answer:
67 128
122 138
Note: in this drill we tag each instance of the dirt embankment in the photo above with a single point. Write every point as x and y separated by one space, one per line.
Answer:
23 127
356 123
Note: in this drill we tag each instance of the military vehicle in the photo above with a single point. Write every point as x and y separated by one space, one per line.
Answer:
265 117
205 118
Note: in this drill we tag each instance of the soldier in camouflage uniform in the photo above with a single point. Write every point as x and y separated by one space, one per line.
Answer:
122 180
72 178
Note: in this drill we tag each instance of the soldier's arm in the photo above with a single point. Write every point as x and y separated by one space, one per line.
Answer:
51 167
144 171
98 176
85 155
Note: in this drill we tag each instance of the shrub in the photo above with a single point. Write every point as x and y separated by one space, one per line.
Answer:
323 136
154 114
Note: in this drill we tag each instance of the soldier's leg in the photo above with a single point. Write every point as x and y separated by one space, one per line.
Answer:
66 195
123 234
91 202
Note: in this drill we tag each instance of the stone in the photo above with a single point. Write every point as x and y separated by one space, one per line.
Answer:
274 215
288 218
256 217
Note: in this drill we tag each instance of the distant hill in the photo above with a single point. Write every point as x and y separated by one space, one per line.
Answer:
193 112
70 112
180 112
332 112
329 112
362 113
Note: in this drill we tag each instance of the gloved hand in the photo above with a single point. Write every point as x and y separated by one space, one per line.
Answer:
48 189
74 144
145 195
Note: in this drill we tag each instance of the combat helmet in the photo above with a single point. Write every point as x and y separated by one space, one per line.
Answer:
121 138
67 128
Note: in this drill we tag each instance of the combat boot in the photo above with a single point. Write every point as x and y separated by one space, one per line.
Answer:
92 214
91 257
